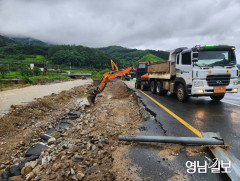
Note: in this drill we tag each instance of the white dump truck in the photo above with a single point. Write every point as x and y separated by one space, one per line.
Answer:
199 71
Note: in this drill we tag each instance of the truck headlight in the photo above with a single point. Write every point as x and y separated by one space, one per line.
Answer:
198 84
235 90
235 82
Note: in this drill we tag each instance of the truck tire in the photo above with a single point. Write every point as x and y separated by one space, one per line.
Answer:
144 85
159 89
181 93
137 86
153 87
217 97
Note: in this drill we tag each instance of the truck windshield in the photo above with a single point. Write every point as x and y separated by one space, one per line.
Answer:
215 58
142 65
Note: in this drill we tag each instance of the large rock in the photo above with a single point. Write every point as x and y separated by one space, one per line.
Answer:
5 175
26 170
15 170
45 137
26 160
37 169
30 175
36 149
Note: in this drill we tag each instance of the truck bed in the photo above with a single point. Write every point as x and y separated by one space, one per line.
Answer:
161 70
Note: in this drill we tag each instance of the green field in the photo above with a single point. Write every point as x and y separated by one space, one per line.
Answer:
34 79
10 59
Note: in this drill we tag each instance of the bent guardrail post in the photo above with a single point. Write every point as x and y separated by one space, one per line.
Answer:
172 139
225 156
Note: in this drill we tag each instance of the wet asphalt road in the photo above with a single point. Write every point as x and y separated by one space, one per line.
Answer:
201 113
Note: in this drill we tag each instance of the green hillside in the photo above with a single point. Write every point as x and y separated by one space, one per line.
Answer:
130 56
18 51
150 57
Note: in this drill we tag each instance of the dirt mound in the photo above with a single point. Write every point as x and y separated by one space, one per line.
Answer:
119 90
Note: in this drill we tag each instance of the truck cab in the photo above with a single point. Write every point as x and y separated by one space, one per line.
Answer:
208 70
199 71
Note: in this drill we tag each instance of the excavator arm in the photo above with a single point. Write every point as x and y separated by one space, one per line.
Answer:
107 76
114 65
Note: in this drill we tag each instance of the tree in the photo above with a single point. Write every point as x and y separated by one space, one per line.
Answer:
3 70
66 57
36 71
26 71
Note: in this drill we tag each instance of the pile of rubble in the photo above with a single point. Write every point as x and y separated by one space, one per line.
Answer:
79 144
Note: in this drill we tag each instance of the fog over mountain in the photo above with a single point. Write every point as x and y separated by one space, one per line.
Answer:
143 24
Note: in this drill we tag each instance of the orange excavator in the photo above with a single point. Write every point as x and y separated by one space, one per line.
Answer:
140 70
107 76
110 75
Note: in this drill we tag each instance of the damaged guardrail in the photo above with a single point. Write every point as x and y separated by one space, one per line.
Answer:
172 139
208 138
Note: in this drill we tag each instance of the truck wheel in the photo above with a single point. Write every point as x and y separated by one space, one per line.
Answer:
137 86
160 90
153 87
144 85
217 97
181 93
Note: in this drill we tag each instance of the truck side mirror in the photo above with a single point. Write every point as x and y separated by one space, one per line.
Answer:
195 57
195 54
194 60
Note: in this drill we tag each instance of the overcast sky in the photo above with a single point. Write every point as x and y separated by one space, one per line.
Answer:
143 24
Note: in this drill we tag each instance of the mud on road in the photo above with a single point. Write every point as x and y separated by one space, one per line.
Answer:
69 141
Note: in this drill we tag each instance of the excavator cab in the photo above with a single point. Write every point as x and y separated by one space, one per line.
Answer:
141 72
141 69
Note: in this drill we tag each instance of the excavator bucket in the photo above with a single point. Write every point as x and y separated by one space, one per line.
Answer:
91 99
92 93
107 76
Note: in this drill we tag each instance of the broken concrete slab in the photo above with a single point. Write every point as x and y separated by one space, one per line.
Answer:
36 149
45 137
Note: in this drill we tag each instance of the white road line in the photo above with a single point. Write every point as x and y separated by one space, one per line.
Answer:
231 103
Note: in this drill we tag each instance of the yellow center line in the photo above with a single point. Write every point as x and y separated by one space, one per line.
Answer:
194 130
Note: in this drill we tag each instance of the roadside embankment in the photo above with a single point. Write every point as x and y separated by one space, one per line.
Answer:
73 141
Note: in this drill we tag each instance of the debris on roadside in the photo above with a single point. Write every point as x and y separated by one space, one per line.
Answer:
72 143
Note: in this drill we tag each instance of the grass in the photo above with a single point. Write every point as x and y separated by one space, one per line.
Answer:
35 58
99 74
25 59
13 75
50 76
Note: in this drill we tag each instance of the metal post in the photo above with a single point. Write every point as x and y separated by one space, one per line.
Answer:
225 156
171 139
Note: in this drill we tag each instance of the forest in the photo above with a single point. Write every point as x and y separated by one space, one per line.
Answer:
16 52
